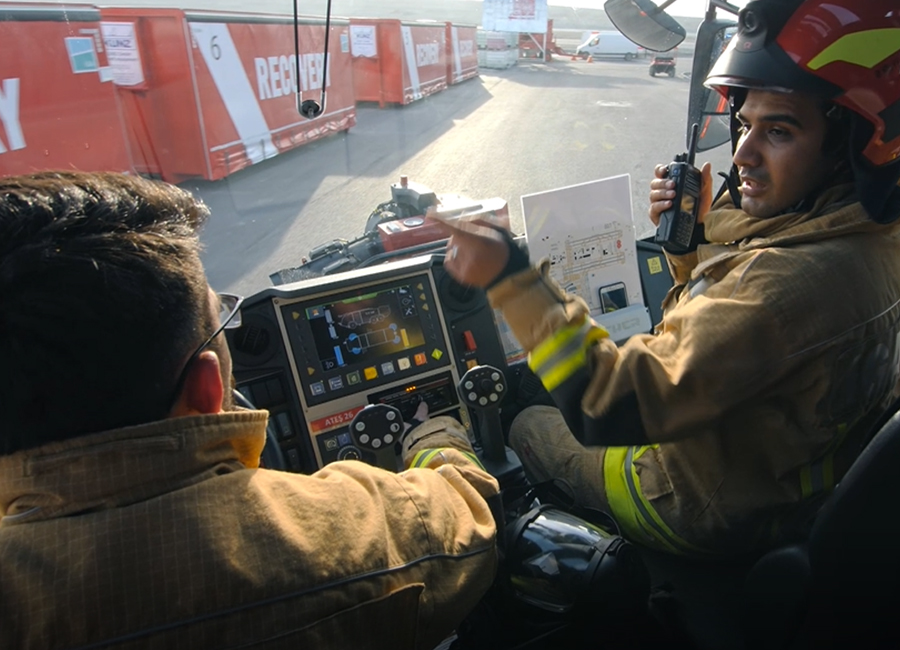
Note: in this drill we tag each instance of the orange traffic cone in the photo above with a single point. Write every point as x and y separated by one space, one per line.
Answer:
590 59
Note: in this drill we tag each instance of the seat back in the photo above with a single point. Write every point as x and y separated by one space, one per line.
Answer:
809 595
854 552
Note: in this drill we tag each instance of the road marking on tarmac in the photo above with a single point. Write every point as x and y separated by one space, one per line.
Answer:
606 104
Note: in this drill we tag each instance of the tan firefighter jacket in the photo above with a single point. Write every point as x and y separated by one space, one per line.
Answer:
166 535
776 351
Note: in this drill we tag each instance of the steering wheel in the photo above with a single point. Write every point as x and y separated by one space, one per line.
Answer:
271 457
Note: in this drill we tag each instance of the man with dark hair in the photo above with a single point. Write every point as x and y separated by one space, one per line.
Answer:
134 511
93 267
778 349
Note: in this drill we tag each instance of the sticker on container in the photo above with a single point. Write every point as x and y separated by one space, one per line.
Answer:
82 55
122 51
362 40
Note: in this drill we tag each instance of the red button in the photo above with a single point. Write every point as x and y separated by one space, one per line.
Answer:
469 341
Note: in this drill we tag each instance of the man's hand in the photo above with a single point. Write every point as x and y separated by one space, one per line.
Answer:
476 253
435 433
662 191
420 416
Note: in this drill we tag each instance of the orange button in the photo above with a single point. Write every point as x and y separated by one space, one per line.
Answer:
469 341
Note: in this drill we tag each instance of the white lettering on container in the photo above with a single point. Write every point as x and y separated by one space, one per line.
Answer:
275 76
262 78
279 76
9 115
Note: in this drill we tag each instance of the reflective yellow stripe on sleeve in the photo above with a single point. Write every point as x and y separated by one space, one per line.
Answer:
563 354
424 457
631 510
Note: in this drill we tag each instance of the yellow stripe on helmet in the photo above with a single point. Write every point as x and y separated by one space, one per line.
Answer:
866 49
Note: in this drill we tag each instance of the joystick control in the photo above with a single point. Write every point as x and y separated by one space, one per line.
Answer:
482 389
377 429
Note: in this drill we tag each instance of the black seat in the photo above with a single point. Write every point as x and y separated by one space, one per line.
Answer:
853 553
835 590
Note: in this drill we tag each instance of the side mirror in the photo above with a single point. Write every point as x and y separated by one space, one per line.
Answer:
646 24
707 107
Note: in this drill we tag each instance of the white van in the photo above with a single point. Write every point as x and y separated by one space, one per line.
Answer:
609 43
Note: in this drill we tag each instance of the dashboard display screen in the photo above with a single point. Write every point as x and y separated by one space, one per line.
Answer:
363 338
360 329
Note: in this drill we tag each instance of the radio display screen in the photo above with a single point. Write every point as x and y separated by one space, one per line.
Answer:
347 342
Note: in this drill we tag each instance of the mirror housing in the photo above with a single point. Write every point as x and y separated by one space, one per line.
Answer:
644 23
706 107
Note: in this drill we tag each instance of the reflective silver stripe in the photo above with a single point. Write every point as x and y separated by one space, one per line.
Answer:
642 508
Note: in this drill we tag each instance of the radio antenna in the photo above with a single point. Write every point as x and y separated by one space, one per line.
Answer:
692 145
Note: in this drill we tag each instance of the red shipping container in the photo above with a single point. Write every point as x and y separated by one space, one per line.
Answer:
58 107
462 53
218 89
397 63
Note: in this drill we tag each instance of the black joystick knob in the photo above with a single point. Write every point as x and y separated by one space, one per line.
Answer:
482 389
349 453
377 428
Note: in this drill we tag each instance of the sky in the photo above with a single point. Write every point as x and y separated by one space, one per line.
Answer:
696 8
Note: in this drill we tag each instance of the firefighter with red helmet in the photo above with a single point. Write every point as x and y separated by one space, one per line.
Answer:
847 55
778 348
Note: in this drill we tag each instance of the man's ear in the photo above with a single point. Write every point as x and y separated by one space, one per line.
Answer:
203 392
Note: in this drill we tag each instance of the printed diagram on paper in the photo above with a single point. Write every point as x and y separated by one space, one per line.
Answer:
587 233
583 263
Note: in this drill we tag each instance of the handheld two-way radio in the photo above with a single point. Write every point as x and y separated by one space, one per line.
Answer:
677 225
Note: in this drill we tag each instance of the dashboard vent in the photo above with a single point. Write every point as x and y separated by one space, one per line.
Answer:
254 341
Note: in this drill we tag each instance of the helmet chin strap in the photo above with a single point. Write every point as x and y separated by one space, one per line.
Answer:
730 184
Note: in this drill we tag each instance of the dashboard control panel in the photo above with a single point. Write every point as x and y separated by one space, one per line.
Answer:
316 353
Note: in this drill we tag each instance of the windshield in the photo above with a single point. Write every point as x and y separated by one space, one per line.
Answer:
204 95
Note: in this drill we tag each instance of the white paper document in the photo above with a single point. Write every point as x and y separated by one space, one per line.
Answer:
587 232
122 53
363 41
